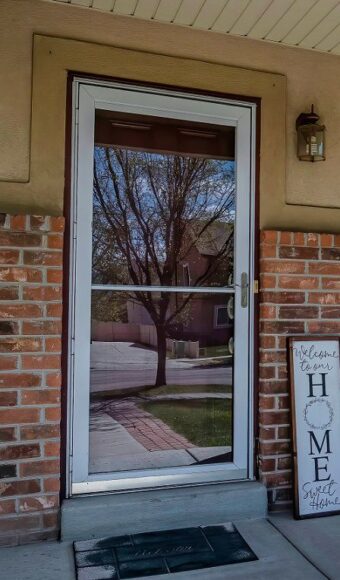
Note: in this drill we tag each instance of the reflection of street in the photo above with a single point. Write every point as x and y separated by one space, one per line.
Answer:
125 365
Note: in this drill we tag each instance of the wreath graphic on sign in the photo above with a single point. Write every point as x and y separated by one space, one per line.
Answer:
317 408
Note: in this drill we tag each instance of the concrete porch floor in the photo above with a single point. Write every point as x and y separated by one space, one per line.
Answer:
287 549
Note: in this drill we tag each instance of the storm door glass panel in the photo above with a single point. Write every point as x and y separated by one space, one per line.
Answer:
162 315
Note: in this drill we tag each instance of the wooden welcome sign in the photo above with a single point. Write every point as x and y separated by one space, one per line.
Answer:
315 396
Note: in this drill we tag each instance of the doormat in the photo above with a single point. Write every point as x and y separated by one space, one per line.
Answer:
163 552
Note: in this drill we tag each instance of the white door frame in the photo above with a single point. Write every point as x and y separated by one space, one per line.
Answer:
88 96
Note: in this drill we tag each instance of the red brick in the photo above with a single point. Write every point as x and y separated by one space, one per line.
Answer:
267 341
8 363
54 276
53 379
52 484
274 356
9 257
284 432
278 479
275 447
53 344
267 372
40 467
40 432
282 342
331 283
281 327
283 297
284 463
274 387
282 372
19 240
39 503
11 452
45 293
337 240
298 282
18 416
286 238
43 258
9 293
267 464
54 310
330 254
20 274
41 397
267 281
274 417
266 433
324 327
268 251
52 449
7 506
19 380
8 398
42 327
53 414
18 223
267 311
7 434
267 403
20 523
323 268
51 520
296 312
299 238
11 310
269 237
55 241
299 253
20 344
312 239
326 240
23 487
57 224
44 361
324 297
330 312
39 222
282 266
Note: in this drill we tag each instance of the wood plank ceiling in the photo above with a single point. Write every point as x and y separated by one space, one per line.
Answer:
311 24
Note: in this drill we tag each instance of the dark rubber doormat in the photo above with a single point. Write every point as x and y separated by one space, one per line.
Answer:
153 553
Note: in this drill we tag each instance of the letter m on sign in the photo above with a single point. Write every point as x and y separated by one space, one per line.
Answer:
319 446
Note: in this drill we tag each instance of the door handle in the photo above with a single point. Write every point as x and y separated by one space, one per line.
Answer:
244 289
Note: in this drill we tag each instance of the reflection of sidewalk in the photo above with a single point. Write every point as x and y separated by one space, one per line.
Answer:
113 447
151 432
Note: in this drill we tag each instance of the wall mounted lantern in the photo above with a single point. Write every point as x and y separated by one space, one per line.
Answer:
310 137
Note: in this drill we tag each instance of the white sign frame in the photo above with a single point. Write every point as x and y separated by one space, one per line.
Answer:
315 405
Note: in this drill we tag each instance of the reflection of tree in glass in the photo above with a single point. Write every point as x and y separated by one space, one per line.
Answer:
153 212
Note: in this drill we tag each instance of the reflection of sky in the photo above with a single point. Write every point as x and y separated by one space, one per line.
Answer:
218 184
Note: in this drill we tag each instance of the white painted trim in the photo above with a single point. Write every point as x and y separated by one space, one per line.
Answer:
117 97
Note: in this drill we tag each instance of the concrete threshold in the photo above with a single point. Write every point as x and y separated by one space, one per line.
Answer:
278 558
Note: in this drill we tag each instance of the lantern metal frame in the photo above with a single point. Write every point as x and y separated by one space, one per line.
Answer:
310 137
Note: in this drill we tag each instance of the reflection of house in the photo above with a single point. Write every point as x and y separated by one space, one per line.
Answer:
205 318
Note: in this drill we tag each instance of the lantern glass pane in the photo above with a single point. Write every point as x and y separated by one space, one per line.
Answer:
311 144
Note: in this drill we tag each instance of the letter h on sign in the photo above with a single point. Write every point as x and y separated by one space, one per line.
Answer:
322 384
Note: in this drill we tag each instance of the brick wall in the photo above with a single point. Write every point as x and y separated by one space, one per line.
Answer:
30 378
300 294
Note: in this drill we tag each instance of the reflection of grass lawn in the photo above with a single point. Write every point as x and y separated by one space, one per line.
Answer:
211 351
182 389
205 423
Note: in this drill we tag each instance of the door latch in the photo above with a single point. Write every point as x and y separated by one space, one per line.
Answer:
244 289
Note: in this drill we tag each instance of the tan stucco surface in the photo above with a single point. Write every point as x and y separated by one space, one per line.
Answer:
311 77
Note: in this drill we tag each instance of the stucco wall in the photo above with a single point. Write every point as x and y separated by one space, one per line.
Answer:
311 77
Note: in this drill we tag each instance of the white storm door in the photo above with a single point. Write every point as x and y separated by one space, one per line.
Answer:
208 337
